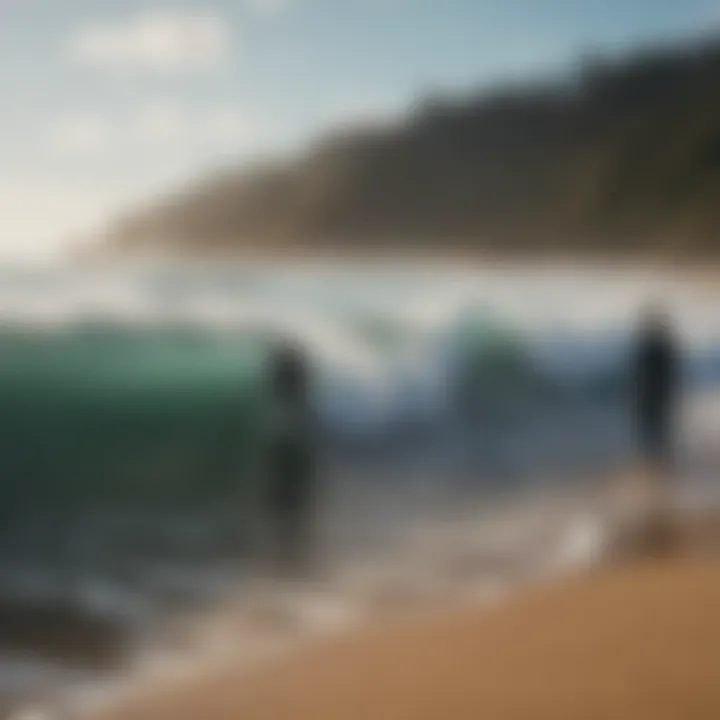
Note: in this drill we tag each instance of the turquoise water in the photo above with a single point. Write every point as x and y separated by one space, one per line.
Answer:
109 417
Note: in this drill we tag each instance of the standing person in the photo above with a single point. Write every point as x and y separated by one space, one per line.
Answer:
291 482
656 386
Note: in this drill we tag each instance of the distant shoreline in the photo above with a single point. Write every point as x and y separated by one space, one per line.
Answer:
449 256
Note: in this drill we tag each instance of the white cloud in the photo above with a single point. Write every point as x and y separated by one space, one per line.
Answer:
81 135
168 123
157 126
162 123
159 142
39 216
162 41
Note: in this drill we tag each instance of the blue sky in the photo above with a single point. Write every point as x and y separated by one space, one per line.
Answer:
108 101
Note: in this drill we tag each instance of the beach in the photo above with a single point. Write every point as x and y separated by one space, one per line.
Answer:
633 633
636 641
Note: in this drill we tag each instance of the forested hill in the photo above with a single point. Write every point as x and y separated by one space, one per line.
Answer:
622 155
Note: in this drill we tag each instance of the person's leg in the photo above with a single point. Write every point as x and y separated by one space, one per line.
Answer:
294 507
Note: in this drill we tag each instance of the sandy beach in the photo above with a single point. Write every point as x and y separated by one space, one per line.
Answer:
636 641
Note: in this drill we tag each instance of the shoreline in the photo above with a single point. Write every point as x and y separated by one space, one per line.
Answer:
377 664
273 618
451 257
695 539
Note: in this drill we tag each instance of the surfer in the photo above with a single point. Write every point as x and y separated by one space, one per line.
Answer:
656 386
291 482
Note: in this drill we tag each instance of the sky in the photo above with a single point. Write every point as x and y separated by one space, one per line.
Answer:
106 103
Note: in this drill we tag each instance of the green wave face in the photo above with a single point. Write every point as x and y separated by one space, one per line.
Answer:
111 417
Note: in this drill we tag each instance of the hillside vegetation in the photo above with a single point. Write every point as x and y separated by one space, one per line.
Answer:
623 155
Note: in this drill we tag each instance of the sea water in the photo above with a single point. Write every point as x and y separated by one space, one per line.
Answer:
465 417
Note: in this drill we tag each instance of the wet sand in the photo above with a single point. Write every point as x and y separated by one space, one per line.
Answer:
45 635
636 641
60 633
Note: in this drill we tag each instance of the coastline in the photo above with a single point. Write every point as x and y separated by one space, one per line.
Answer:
599 641
303 660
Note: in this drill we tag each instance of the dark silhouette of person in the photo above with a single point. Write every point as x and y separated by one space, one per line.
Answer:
290 377
291 487
656 386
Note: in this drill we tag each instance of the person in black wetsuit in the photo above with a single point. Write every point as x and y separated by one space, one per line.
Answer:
656 386
291 483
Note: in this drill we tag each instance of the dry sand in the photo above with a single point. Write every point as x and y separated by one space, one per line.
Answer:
638 642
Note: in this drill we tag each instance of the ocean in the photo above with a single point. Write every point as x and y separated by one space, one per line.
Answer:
468 421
